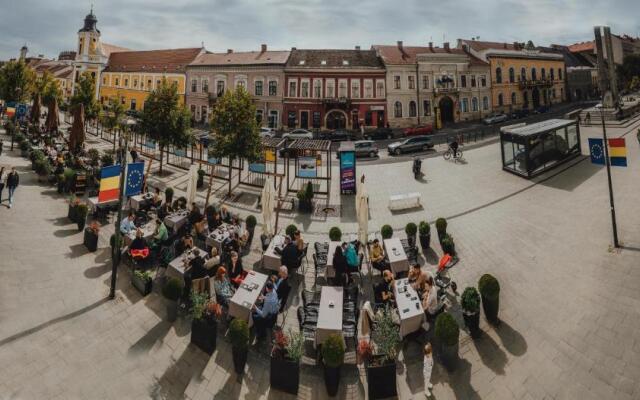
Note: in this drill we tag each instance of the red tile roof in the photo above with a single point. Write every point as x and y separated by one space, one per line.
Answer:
393 55
583 46
110 48
479 46
157 61
242 58
336 58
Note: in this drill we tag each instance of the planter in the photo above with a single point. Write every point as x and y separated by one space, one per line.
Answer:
143 286
72 213
472 321
24 153
60 187
284 375
81 222
449 356
200 182
491 308
305 206
239 359
90 240
411 239
172 310
332 380
203 334
381 380
425 241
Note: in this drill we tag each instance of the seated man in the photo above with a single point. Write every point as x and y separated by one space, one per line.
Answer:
127 224
194 214
183 244
282 286
376 255
417 278
383 292
268 311
199 230
156 201
162 234
138 249
289 254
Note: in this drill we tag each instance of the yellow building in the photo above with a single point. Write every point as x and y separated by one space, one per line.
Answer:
132 75
522 77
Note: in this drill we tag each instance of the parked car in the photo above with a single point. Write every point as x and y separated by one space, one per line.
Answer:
366 148
379 133
338 135
298 134
416 143
518 114
267 132
495 119
542 109
419 130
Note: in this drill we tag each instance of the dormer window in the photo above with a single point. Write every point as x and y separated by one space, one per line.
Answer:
301 62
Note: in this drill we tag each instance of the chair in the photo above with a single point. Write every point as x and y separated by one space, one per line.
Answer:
318 267
310 298
303 255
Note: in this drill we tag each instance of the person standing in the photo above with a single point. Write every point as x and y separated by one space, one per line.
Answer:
13 180
426 370
1 183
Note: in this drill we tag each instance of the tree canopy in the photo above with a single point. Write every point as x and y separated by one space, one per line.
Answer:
629 70
17 81
85 93
48 89
112 113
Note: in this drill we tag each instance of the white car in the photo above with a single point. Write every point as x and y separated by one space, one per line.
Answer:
298 134
267 132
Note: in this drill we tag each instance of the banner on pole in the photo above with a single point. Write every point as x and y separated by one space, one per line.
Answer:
596 149
618 152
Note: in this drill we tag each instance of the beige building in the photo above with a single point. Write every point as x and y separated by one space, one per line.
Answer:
261 73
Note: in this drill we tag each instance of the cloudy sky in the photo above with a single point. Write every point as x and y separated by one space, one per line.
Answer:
49 26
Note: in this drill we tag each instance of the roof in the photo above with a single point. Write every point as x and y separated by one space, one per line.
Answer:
171 61
394 56
570 59
110 48
272 142
334 59
310 144
539 127
242 58
582 46
479 46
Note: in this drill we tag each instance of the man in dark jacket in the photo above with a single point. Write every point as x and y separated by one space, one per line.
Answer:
282 286
289 254
13 180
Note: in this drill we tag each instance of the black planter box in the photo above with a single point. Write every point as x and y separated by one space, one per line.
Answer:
381 381
491 308
142 286
90 240
472 321
449 356
425 241
332 380
203 334
284 375
72 213
239 360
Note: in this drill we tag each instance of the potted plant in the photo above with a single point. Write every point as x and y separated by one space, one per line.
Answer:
69 179
250 223
204 325
60 182
332 359
72 212
142 281
172 290
411 230
43 169
441 227
168 195
200 182
291 230
386 231
91 236
25 147
305 198
470 303
82 212
448 246
106 160
335 234
447 334
285 361
94 157
424 234
490 293
381 365
239 337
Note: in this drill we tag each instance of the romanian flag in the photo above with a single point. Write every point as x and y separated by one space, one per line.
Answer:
109 184
617 152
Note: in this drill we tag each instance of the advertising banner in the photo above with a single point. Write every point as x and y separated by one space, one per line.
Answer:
307 167
347 172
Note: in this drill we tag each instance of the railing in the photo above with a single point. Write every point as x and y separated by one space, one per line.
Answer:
437 90
528 84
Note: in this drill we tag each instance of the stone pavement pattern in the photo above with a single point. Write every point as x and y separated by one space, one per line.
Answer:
569 306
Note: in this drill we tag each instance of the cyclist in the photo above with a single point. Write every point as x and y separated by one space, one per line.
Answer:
454 147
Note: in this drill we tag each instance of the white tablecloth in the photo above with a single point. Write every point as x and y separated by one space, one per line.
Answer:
140 200
270 259
398 260
243 299
176 220
176 266
329 313
219 235
409 307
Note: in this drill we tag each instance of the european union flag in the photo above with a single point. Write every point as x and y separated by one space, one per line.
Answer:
596 148
135 175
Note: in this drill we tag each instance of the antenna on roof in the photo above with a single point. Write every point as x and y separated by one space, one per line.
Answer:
91 9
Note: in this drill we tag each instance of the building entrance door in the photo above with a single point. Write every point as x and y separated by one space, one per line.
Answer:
336 120
446 110
535 98
304 119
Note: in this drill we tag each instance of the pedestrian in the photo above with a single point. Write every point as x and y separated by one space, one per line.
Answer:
426 370
134 155
1 145
1 183
587 119
13 180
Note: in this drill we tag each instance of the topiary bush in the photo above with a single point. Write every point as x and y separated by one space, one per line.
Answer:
106 160
291 230
251 222
411 229
448 245
333 351
441 226
424 228
447 330
490 292
239 334
386 231
335 234
172 290
470 300
168 195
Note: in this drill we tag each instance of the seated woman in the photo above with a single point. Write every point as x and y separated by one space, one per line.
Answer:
377 257
225 214
199 228
341 266
164 210
214 259
430 300
210 213
417 277
139 249
194 214
236 272
353 261
156 201
215 222
223 288
297 238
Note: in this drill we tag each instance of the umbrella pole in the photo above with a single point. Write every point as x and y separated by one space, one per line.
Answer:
206 203
275 229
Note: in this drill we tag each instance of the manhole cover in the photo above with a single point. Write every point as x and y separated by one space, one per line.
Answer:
323 210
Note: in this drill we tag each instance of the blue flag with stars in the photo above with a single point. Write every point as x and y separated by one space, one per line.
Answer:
596 148
135 175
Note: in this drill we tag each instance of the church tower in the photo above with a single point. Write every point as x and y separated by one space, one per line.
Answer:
23 52
90 55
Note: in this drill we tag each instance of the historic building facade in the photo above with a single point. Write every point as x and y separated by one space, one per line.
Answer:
334 89
90 56
132 75
522 77
434 85
261 73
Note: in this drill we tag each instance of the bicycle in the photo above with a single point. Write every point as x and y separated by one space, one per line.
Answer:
447 154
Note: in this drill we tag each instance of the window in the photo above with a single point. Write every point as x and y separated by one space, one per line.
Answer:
149 84
368 89
123 100
412 82
485 103
551 74
293 89
561 93
463 80
425 81
301 62
323 62
157 83
345 62
500 100
273 119
534 76
104 80
133 104
135 83
523 74
512 75
397 110
291 119
426 107
205 85
553 93
316 120
194 85
412 109
483 81
380 88
203 113
473 81
259 116
543 73
560 73
514 98
304 89
396 82
126 83
474 104
465 105
317 88
331 89
193 111
220 88
117 81
342 88
355 88
498 75
273 88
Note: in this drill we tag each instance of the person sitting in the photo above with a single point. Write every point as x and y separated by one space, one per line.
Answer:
353 261
199 229
430 300
214 259
215 222
236 272
223 288
209 213
127 224
454 147
341 267
156 200
182 245
282 286
268 311
162 234
139 249
376 255
225 215
194 214
232 243
289 254
417 277
383 292
297 238
164 210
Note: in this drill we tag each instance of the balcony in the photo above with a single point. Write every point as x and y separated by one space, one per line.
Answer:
445 89
341 102
213 97
531 83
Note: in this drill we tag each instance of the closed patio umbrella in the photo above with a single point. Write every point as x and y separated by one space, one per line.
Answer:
76 138
35 110
362 213
268 205
192 184
53 118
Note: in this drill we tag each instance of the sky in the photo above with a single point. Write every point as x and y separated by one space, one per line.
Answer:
51 26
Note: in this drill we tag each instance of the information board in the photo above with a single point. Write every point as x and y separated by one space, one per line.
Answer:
347 172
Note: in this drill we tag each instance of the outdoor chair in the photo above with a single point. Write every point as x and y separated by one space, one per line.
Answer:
319 268
309 297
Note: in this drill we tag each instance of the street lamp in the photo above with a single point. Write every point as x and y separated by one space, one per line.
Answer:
608 164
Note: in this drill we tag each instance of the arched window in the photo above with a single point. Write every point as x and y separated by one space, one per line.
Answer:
485 103
543 73
560 73
498 75
534 76
397 110
514 98
500 100
523 74
412 109
474 104
512 75
551 74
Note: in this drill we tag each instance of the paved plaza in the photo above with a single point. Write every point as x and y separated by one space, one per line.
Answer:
570 304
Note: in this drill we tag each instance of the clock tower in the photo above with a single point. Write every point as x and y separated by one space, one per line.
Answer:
90 56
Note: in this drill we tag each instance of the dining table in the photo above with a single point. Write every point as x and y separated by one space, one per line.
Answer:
148 231
246 296
398 260
409 307
140 200
177 265
176 220
217 236
271 259
329 313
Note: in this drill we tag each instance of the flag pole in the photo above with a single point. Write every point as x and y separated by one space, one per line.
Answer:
608 163
115 251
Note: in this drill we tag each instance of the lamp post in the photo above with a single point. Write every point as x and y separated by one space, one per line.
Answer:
616 244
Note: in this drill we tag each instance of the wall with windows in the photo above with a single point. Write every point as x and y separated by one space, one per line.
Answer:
133 88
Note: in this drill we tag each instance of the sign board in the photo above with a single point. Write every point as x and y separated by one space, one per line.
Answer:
21 110
376 108
347 172
307 167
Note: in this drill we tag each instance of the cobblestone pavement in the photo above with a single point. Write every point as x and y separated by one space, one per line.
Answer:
569 303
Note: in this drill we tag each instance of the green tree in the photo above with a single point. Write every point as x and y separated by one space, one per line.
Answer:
85 93
112 114
629 69
234 124
164 120
48 88
16 81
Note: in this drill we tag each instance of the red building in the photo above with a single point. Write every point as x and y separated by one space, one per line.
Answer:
334 89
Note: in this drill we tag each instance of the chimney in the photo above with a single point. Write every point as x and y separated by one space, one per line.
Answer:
446 46
229 51
358 48
400 44
431 46
263 48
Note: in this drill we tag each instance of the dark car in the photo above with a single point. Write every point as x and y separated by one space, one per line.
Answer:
518 114
338 135
542 109
416 143
419 130
379 133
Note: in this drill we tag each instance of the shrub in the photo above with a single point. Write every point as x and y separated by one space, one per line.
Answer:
291 230
441 226
168 195
447 329
386 334
470 300
448 246
198 304
251 222
335 234
172 290
288 346
37 154
309 191
489 287
424 228
386 231
25 146
106 160
94 157
43 168
239 334
82 211
411 229
201 173
333 351
112 241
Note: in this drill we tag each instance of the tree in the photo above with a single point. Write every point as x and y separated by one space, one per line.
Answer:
233 121
16 81
48 89
85 93
629 69
164 120
112 114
